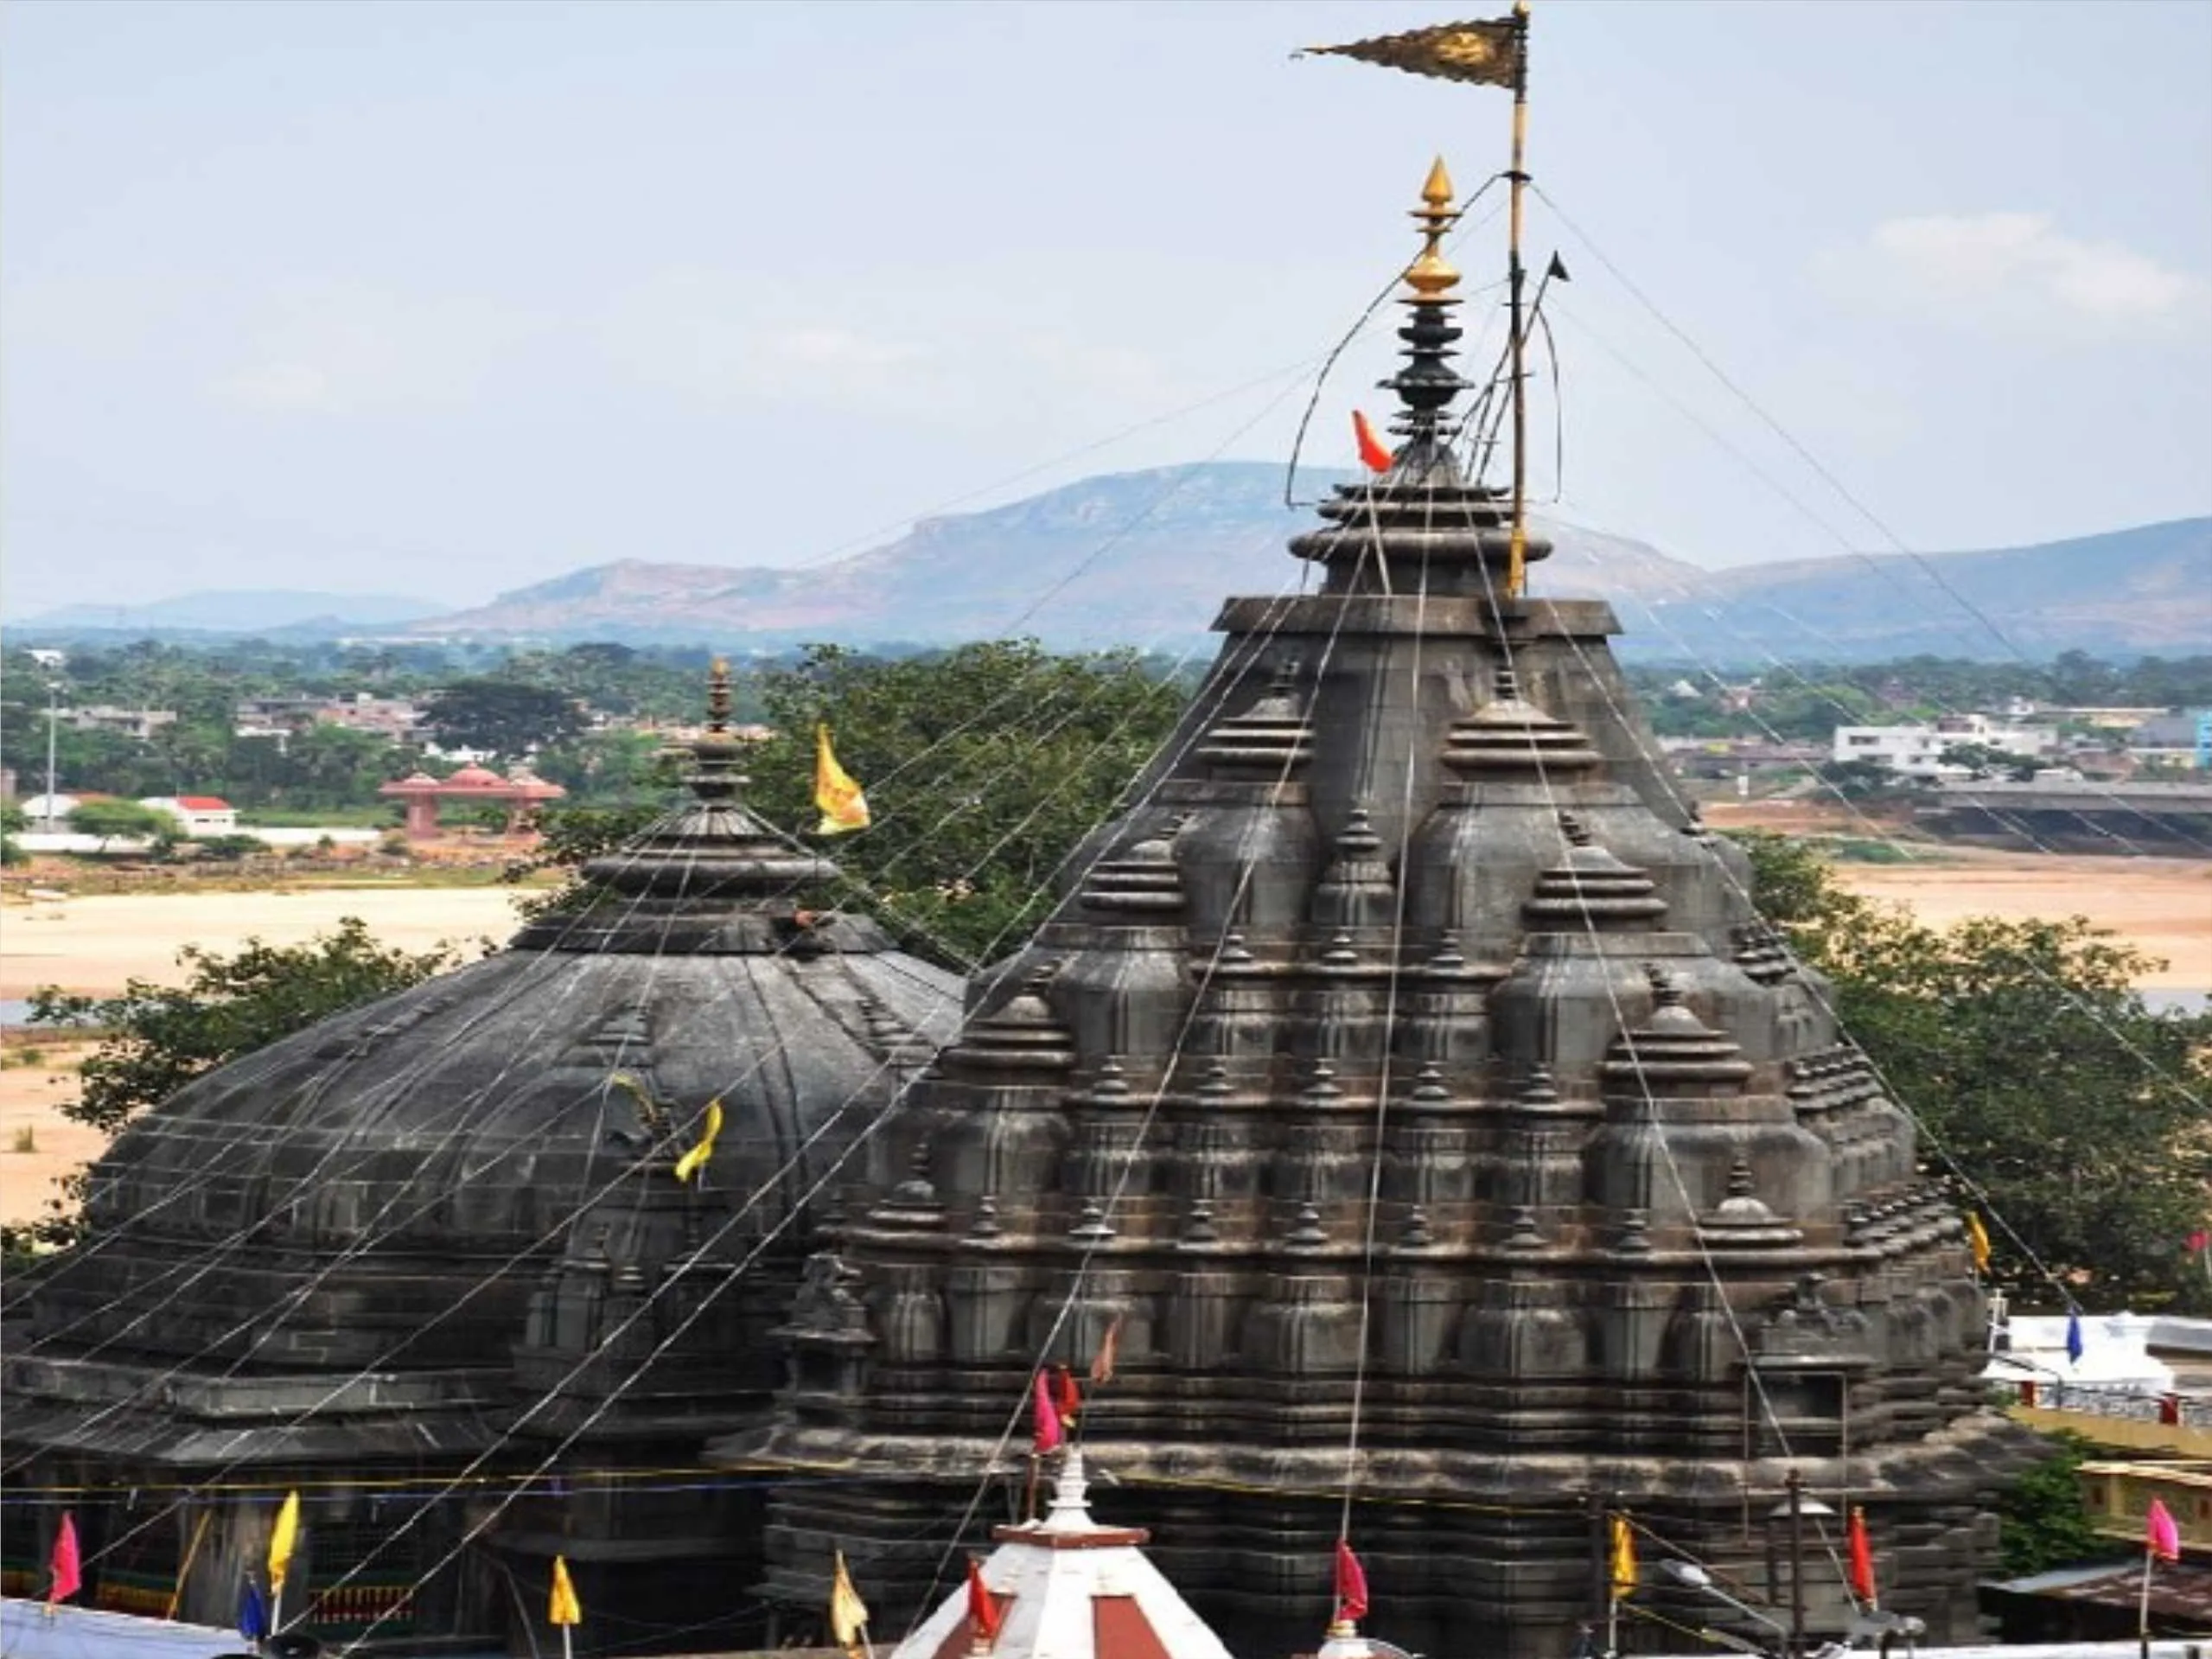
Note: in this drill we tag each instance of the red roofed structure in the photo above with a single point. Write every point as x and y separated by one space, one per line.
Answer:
520 792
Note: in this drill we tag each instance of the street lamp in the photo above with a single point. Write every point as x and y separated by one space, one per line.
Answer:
52 725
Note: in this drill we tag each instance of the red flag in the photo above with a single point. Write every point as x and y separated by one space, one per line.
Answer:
66 1571
1351 1584
2198 1241
1372 451
1862 1558
1045 1425
983 1613
1067 1398
1102 1362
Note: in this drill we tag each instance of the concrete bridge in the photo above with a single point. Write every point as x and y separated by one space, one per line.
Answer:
2089 817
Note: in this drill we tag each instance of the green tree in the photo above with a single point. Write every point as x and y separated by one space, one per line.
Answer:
503 718
984 768
1985 760
2042 1521
110 819
2040 1078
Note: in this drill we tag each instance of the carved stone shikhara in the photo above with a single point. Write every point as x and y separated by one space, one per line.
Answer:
1410 1046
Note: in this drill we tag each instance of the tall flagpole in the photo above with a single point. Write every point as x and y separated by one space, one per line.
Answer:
1517 181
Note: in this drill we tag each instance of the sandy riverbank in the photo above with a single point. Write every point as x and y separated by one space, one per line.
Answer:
95 943
2161 906
52 1146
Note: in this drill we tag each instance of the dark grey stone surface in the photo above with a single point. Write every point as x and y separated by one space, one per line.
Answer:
1408 1057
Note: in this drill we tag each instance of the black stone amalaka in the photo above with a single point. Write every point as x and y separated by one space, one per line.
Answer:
447 1224
1407 907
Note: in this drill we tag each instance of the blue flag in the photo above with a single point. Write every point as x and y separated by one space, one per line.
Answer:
2074 1337
253 1617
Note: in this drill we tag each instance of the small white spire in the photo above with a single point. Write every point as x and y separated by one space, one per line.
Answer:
1070 1509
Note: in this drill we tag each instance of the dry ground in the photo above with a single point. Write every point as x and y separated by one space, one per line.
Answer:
28 1096
95 943
2162 906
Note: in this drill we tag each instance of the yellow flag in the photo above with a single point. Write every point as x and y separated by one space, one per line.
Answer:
562 1608
844 808
1624 1559
695 1160
1978 1242
283 1538
848 1613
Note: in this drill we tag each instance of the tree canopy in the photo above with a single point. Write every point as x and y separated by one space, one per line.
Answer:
983 767
110 819
2050 1098
503 718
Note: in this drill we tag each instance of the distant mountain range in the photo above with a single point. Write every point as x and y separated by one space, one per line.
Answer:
242 611
1144 558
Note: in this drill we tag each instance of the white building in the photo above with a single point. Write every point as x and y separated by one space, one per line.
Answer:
197 815
1917 751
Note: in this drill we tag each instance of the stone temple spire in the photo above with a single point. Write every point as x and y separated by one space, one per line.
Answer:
1401 1068
1422 526
1428 383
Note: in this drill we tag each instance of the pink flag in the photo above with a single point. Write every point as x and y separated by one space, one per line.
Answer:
1047 1420
2160 1536
66 1569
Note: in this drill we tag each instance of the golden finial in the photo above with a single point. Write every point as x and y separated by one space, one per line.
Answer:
718 696
1432 277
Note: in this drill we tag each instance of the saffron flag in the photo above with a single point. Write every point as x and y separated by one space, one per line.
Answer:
1486 54
1102 1362
1351 1584
844 808
848 1613
1067 1398
252 1612
1622 1554
1978 1242
2074 1336
283 1539
65 1568
562 1608
983 1613
695 1160
1373 452
1862 1558
2160 1536
1046 1435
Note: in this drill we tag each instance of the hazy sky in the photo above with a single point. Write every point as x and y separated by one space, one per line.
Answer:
444 297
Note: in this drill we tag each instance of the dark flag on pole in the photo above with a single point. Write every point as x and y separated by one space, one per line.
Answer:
252 1612
1486 54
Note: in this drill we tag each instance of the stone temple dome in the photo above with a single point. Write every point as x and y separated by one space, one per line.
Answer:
429 1204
